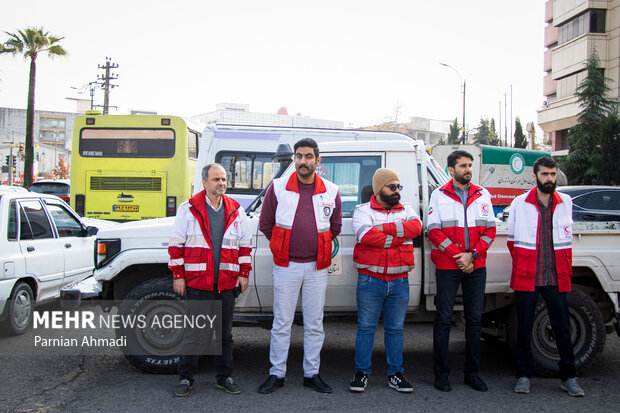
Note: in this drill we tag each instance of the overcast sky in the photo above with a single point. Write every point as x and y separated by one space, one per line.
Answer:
352 61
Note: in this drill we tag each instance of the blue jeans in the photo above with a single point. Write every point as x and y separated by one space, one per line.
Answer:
375 296
557 305
472 285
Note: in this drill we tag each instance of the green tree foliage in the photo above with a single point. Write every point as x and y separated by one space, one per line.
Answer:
596 133
30 42
453 137
493 133
520 138
483 134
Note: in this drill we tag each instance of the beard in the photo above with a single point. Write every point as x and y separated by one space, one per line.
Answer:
461 179
547 188
391 200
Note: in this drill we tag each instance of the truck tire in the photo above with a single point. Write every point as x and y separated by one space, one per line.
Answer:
587 329
20 307
153 350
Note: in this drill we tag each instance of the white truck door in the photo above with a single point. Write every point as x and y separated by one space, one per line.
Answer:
42 251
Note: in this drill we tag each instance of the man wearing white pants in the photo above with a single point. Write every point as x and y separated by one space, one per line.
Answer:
300 216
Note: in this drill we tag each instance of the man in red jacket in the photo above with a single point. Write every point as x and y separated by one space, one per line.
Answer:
209 252
461 228
383 256
542 265
300 216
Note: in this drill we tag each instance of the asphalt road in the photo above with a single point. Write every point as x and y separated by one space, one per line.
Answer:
106 382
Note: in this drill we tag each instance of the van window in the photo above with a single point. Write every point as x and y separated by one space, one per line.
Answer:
353 175
247 172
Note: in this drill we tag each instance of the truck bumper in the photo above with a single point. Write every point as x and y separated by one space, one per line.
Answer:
72 296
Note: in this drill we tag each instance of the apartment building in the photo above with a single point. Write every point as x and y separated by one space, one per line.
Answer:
574 28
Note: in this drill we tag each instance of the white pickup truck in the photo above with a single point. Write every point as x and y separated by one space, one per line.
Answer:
134 268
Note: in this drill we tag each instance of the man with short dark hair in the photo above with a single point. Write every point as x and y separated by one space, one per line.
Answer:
209 252
542 265
383 256
300 216
461 228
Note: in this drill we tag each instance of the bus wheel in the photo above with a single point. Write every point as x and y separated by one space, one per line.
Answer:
151 346
587 331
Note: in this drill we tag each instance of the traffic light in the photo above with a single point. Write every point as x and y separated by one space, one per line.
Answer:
8 160
21 151
14 162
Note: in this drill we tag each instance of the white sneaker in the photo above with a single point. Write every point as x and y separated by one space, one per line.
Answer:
573 388
523 385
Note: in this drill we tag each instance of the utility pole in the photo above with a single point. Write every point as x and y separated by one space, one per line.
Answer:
511 123
500 123
106 78
505 121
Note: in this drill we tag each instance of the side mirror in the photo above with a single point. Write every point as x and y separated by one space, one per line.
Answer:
91 231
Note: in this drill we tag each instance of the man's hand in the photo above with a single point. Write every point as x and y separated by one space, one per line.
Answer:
465 261
243 281
179 286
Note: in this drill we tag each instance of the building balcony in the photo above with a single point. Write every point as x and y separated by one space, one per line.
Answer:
547 61
549 85
551 35
559 114
570 57
548 11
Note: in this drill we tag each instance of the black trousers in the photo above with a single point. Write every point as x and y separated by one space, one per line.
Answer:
557 305
188 363
472 286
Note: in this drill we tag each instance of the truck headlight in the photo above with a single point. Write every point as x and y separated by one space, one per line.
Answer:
105 250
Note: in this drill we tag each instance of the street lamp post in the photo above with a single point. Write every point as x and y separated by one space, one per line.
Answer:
464 85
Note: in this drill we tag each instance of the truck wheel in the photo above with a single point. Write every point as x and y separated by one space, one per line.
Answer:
587 330
154 350
20 308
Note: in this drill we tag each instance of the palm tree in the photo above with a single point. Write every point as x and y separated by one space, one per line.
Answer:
30 42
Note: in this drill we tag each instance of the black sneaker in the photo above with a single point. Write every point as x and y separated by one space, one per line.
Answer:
182 389
359 382
228 385
399 383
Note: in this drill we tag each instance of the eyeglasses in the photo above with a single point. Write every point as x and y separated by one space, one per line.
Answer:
393 187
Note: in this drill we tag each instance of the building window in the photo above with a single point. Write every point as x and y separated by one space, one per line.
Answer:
562 140
592 21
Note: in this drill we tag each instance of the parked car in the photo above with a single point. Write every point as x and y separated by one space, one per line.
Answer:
58 187
594 202
45 245
590 203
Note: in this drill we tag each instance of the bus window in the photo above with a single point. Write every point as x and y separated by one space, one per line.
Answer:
126 143
192 144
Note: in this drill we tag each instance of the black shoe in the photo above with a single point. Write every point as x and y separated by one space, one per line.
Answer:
270 385
399 383
183 387
359 382
228 385
476 383
442 383
316 383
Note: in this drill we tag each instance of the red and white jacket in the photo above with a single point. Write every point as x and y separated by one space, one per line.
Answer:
446 225
387 254
286 191
190 249
523 222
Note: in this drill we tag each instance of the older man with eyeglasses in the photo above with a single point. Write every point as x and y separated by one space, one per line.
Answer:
383 256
